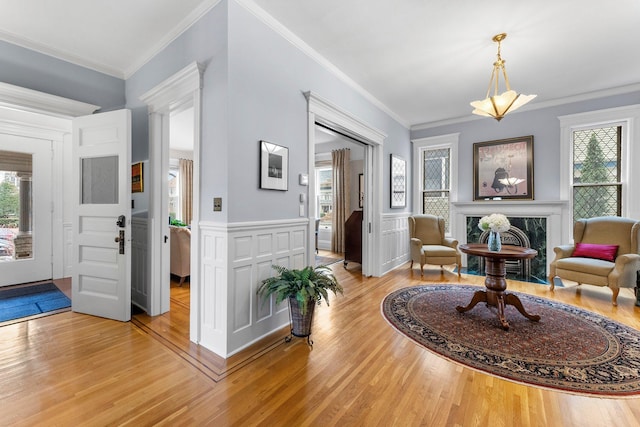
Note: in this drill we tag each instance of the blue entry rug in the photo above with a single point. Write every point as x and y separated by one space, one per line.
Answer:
25 301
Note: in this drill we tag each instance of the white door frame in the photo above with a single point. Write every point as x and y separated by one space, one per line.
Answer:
35 114
39 265
182 90
323 112
100 194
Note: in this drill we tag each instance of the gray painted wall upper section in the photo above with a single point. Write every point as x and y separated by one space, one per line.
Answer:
33 70
267 78
253 90
206 43
543 124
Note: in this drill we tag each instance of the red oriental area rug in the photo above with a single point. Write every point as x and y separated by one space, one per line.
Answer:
569 349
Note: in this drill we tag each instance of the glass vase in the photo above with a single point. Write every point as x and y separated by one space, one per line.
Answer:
494 244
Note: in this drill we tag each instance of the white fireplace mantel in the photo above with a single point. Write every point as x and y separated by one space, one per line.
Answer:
555 212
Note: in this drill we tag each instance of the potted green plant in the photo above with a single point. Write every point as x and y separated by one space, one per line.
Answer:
304 289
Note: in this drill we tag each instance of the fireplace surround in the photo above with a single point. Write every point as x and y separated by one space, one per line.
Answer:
528 215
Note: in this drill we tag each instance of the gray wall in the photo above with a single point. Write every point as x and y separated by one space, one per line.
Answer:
33 70
205 42
253 90
267 78
253 86
543 124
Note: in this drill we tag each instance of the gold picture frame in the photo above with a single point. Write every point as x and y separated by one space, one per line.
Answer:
503 169
137 182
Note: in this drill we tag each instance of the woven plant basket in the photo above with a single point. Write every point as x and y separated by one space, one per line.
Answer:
301 325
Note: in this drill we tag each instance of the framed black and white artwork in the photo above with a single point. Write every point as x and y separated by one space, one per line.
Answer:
274 166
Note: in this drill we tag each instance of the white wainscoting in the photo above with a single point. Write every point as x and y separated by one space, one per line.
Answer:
235 258
395 240
139 263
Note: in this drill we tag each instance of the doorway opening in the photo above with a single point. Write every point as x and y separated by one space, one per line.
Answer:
333 244
172 102
332 117
25 210
180 193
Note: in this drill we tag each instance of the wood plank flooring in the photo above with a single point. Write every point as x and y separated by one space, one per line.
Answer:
71 369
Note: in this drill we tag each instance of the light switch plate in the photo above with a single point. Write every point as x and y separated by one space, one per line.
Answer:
304 179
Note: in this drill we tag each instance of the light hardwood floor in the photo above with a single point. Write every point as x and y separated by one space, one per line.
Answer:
71 369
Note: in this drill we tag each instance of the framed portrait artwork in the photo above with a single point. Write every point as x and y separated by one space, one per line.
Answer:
274 166
503 169
137 184
398 182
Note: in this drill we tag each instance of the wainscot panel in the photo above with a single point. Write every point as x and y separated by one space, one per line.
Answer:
233 315
395 240
139 263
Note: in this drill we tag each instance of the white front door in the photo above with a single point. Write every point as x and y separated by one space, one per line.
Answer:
25 209
101 158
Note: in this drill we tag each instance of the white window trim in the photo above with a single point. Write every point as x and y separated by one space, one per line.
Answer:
449 141
317 190
629 118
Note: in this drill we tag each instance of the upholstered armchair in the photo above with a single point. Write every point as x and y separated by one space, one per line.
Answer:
604 253
428 243
180 264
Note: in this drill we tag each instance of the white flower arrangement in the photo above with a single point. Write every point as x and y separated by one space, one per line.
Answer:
494 222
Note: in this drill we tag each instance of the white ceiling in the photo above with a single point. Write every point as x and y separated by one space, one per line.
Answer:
421 61
115 37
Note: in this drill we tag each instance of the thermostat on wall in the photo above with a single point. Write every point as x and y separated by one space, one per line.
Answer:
304 179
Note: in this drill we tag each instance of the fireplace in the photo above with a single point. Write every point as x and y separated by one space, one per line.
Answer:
527 232
540 221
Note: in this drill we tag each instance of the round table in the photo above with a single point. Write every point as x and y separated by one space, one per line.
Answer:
495 282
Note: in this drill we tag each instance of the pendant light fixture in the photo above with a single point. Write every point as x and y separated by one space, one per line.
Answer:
497 106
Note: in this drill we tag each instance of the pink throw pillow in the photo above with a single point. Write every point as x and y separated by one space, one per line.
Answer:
593 250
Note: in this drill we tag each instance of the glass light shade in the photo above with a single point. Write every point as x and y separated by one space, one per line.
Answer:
498 105
511 181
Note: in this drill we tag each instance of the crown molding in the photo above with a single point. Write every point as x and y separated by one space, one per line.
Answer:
103 68
621 90
23 99
283 31
59 54
176 32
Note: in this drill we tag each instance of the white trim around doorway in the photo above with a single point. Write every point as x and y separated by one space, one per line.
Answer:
323 112
183 89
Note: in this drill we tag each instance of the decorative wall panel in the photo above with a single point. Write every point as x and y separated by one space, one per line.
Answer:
233 315
395 241
139 263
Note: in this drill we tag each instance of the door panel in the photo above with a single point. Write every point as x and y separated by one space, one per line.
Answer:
25 209
101 282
